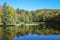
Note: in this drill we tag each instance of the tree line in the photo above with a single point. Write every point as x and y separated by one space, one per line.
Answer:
10 15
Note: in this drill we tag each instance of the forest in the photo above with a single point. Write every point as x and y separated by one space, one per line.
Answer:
9 15
21 15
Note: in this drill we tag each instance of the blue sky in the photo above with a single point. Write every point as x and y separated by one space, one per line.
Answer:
33 4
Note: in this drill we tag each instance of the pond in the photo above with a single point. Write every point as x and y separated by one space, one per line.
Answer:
42 31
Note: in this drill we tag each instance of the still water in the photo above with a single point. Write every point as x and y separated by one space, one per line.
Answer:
30 32
38 37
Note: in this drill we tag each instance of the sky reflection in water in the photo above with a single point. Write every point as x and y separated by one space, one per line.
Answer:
38 37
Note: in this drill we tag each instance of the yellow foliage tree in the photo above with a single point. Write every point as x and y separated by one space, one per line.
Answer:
1 13
11 11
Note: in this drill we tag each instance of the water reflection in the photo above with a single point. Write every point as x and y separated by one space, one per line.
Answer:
38 37
42 29
7 34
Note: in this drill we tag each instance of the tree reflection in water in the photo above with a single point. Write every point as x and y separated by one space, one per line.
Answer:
10 32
